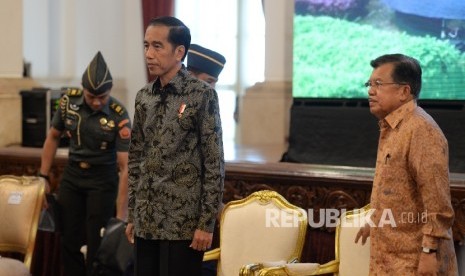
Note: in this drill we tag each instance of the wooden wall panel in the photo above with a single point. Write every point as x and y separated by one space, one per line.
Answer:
311 187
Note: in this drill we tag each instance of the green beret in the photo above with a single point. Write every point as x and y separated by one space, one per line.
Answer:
97 78
205 60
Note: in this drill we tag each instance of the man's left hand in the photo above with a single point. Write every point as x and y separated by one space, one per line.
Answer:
428 264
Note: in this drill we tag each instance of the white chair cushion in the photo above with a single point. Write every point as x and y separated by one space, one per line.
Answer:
12 267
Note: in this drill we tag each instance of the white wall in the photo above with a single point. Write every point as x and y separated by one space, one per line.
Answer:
61 38
279 31
11 60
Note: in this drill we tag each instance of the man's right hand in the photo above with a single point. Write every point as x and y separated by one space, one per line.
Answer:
130 232
364 233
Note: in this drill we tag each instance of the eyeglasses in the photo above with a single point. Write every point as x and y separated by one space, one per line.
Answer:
378 83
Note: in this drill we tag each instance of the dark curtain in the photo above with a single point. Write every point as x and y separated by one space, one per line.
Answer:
154 8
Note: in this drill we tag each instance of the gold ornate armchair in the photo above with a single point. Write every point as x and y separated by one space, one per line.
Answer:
352 259
21 201
263 227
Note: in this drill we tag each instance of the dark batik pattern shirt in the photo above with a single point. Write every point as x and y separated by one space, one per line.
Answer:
411 195
176 161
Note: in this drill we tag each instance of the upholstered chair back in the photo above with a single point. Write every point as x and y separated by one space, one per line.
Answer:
263 227
21 200
354 258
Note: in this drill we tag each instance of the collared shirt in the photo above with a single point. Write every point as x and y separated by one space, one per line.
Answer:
411 194
95 136
176 161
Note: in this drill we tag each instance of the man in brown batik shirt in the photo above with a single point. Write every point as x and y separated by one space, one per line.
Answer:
411 231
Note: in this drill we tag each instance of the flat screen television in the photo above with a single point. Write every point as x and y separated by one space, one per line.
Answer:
335 40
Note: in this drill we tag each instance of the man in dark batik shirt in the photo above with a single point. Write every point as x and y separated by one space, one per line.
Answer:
176 162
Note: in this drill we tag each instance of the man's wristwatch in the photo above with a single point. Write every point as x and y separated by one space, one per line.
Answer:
44 176
429 250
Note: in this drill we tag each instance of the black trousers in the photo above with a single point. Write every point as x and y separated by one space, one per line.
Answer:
87 200
166 258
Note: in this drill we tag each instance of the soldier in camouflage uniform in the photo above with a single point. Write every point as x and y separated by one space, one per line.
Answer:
95 180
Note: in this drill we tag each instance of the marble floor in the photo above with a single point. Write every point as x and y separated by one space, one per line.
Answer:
237 152
232 152
253 153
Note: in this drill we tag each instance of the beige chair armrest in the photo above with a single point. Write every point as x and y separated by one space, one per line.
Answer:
213 254
300 269
329 267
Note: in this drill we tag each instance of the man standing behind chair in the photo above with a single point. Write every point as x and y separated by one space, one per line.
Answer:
99 130
205 64
176 162
411 193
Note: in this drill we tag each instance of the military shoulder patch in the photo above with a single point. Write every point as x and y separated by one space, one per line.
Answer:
125 133
74 92
117 108
123 123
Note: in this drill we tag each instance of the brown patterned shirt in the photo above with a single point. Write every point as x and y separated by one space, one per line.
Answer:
411 195
176 162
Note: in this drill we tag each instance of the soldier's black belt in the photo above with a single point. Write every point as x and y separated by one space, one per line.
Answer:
81 164
86 165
